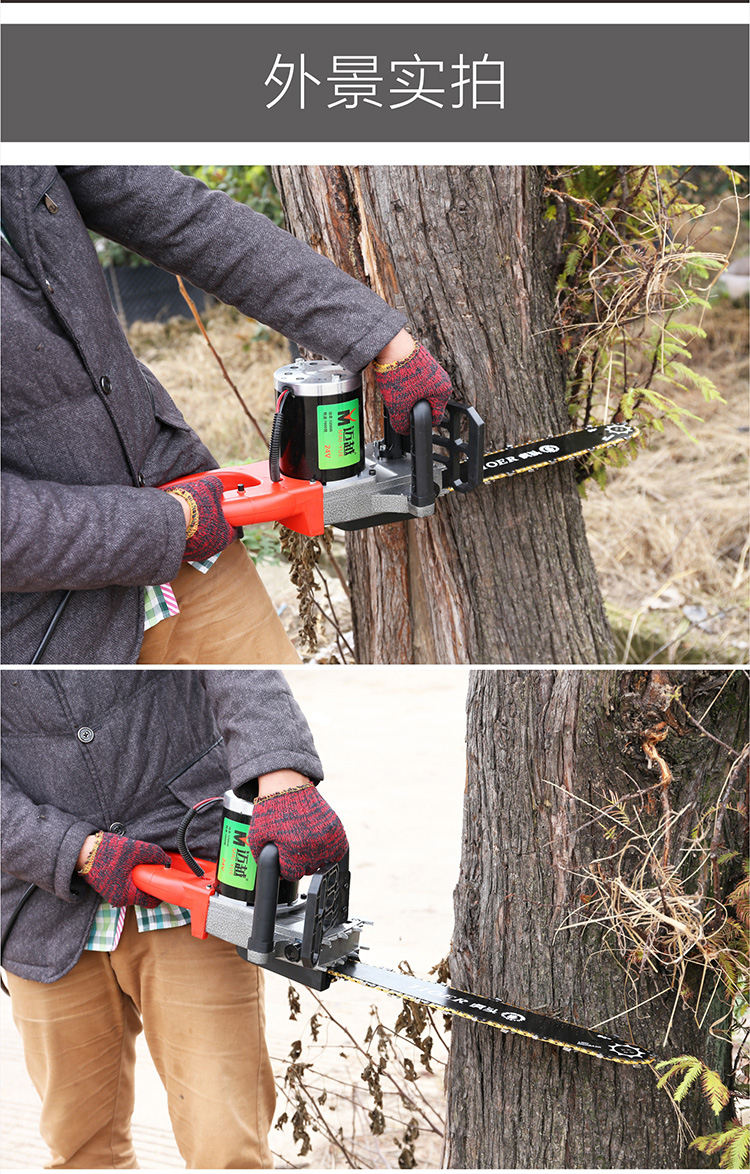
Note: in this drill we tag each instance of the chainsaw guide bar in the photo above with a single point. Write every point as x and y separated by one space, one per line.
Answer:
493 1013
523 458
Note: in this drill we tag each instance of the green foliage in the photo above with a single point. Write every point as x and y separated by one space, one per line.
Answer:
262 544
689 1067
733 1146
632 271
248 185
731 1142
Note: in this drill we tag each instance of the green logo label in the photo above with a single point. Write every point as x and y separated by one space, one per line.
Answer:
338 434
236 864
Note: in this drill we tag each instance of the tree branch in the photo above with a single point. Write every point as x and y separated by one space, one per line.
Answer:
214 352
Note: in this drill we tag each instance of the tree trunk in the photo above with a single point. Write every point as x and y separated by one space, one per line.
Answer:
514 1102
504 574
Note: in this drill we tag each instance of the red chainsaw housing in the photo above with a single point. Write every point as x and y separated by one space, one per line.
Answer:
298 504
180 886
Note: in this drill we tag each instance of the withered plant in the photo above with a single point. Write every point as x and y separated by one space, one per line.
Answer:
369 1099
672 898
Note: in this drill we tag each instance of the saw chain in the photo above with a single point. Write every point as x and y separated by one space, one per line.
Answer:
504 1016
313 940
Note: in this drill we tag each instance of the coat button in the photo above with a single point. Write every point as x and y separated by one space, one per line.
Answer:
85 734
106 384
117 829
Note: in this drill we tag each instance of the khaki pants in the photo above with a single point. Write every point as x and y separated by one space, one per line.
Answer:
226 617
201 1008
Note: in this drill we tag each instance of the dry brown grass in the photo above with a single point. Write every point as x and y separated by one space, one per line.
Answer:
671 529
177 354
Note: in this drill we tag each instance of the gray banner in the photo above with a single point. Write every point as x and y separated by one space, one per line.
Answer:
374 83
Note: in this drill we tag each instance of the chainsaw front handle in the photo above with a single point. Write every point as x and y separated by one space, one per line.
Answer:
326 905
420 436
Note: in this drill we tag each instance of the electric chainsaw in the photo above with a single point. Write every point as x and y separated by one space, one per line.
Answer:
311 938
321 473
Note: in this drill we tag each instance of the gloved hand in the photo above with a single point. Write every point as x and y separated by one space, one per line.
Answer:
208 531
404 383
307 832
109 867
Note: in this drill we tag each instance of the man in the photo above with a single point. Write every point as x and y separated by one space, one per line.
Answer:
99 768
89 433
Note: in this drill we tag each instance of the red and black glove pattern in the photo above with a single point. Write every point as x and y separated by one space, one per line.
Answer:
109 867
307 832
404 383
208 531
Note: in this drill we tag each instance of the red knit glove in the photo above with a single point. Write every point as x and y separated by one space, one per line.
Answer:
404 383
307 832
109 867
208 531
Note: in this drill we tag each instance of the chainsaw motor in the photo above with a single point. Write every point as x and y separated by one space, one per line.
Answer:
319 426
236 869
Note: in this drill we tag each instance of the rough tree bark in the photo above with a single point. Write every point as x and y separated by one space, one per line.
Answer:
503 575
517 1103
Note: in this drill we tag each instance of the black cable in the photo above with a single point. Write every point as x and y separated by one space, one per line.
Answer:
274 447
182 847
51 627
28 892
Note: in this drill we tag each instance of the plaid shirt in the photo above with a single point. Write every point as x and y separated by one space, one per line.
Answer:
109 920
160 600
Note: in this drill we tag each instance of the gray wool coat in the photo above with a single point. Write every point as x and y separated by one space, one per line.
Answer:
87 430
162 741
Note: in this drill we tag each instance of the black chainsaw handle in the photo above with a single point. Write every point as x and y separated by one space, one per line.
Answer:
261 940
420 437
462 458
